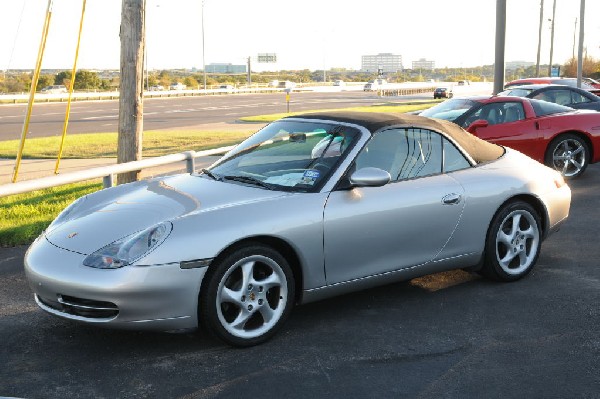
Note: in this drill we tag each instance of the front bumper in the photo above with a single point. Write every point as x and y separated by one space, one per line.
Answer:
159 297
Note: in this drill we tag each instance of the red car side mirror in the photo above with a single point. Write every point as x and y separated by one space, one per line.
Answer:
477 124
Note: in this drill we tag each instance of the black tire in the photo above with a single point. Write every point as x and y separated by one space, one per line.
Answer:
569 154
254 285
513 242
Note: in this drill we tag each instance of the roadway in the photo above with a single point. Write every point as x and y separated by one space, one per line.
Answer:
174 112
450 335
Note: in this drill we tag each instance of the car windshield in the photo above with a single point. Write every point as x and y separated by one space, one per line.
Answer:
287 155
511 84
520 92
449 110
542 108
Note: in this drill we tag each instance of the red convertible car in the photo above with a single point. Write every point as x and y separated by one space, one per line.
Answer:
560 137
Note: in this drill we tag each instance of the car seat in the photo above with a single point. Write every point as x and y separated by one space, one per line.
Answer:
513 114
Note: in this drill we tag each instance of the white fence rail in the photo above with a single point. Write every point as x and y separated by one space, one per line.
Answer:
107 172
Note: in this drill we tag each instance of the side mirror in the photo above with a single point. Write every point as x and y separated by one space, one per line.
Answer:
370 177
477 124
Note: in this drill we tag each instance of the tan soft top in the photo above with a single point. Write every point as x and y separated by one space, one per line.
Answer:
479 150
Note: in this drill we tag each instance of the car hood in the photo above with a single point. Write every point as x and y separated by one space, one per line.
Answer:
111 214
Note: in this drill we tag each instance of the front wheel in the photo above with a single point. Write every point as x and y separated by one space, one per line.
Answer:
248 295
569 154
513 242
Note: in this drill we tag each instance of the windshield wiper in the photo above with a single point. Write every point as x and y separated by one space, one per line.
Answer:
249 180
210 174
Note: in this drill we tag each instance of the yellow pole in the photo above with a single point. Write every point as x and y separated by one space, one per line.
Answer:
34 82
71 86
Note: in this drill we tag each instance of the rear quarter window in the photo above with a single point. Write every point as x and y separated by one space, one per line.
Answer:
542 108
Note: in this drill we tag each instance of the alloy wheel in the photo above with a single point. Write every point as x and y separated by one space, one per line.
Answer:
251 297
569 157
517 242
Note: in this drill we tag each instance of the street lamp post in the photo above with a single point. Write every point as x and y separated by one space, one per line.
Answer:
574 33
552 38
580 50
203 60
537 64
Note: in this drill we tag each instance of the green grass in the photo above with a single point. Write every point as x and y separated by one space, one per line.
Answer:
386 108
25 216
104 145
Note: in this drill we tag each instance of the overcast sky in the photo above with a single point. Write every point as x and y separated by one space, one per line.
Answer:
303 33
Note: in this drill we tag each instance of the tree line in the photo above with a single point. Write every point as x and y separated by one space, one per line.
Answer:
84 80
13 82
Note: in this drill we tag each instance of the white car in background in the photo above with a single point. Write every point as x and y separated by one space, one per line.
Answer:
177 86
286 84
55 89
375 85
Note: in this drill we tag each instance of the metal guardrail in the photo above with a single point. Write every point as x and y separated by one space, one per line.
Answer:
405 91
107 172
91 96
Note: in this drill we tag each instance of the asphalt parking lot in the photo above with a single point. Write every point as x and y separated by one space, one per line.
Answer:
451 335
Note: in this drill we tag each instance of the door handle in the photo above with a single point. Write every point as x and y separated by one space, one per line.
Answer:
451 199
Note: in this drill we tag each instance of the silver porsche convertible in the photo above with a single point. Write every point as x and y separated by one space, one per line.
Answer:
307 208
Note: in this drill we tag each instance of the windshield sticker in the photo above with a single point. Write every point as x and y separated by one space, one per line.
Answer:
310 176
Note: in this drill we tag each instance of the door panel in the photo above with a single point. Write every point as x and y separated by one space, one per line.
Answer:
521 136
374 230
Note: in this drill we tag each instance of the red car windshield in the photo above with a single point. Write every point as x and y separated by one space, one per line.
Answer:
450 109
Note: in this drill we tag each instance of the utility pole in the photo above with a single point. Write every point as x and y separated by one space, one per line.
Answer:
537 64
203 59
500 45
131 98
580 50
249 73
574 32
552 38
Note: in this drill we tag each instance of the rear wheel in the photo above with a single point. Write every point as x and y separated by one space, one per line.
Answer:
513 242
248 296
569 154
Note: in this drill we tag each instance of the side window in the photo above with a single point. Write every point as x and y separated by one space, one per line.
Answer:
453 158
513 112
547 95
495 113
492 113
578 98
404 153
562 97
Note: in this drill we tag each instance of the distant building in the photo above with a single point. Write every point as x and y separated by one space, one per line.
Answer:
225 68
388 62
422 63
512 65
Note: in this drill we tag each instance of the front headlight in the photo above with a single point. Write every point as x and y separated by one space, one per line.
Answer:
129 249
